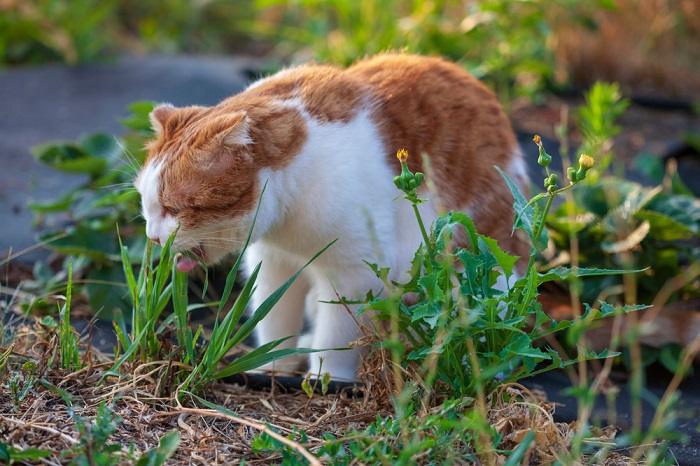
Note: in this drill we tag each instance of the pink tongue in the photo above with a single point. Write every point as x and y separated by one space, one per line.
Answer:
186 264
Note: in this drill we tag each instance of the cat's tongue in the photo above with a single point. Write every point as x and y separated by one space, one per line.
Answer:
185 263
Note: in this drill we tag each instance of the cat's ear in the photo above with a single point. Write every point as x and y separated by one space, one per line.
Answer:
159 116
228 130
239 133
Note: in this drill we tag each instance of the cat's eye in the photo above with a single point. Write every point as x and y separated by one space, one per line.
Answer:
169 210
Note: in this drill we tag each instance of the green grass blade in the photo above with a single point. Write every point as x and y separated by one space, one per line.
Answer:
70 356
266 306
220 336
179 300
518 453
129 351
233 273
121 335
129 274
256 359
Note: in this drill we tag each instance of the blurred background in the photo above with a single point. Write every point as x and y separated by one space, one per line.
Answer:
521 47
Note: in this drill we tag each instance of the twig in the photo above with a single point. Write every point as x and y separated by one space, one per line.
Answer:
313 461
50 430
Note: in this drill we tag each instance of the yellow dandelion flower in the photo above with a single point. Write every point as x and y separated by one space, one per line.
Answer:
537 139
402 155
586 161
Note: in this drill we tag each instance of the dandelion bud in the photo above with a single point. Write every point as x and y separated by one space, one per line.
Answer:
402 155
586 161
543 159
571 174
419 177
550 183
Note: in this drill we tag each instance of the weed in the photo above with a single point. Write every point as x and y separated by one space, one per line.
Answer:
68 340
22 382
11 455
465 333
150 293
614 222
97 449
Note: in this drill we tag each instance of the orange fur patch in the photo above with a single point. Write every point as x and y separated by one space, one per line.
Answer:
433 107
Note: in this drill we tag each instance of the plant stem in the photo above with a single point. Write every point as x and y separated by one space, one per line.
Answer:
540 224
426 239
421 225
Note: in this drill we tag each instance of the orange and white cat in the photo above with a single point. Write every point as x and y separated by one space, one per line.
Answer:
324 140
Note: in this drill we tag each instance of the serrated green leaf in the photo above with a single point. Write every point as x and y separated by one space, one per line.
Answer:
505 261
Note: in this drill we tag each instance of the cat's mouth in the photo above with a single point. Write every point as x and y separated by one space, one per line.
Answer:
186 261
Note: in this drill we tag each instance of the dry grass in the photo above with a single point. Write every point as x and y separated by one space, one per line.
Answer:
44 420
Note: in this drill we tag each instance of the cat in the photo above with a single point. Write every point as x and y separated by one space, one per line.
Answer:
323 141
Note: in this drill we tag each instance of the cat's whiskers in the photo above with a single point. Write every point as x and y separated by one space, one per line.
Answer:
124 187
124 173
129 158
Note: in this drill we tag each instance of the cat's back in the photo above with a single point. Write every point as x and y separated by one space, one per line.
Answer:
424 104
435 108
430 105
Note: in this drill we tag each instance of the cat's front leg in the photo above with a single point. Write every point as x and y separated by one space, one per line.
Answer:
287 317
338 325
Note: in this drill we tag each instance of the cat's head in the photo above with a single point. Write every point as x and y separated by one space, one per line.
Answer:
200 179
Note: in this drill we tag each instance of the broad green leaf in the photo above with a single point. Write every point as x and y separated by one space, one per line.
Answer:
521 345
69 158
82 240
427 311
61 204
102 145
10 454
524 213
650 165
664 227
505 261
634 201
138 119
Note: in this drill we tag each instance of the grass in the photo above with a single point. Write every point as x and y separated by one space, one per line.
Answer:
451 361
70 356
